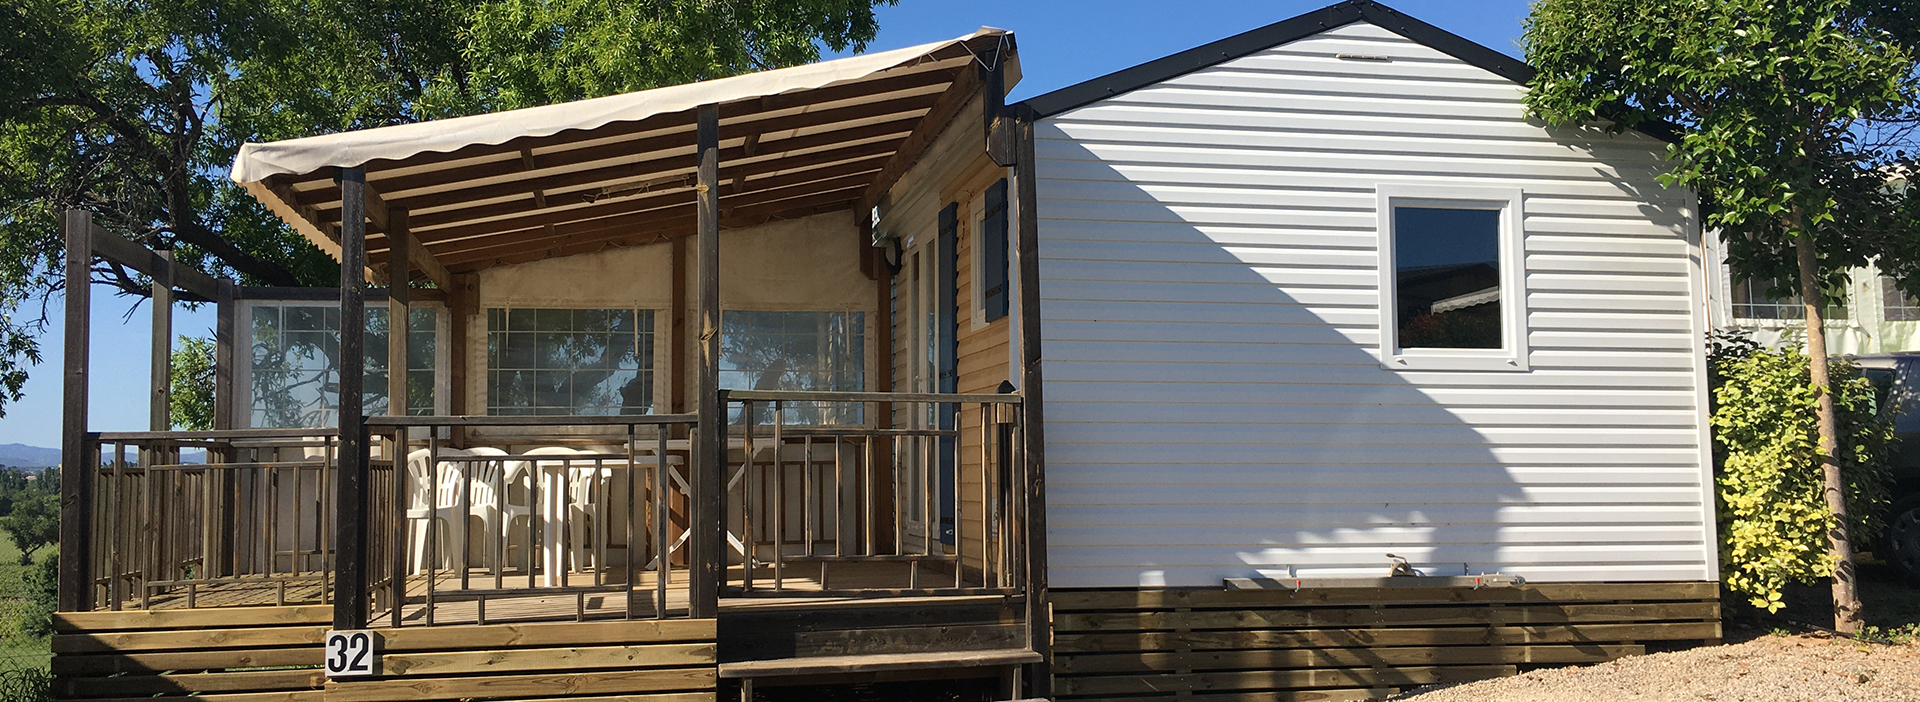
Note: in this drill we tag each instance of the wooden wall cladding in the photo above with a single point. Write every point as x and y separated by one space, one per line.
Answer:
273 654
1353 644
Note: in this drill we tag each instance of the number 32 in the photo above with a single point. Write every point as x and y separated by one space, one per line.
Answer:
349 653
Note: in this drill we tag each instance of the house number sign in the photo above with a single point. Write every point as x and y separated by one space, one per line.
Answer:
349 653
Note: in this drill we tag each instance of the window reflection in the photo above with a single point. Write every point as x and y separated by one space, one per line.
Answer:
295 364
559 361
795 351
1447 277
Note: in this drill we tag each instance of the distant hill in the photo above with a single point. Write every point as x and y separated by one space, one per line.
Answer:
24 456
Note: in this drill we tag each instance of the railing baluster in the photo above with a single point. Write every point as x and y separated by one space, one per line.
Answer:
868 498
662 501
597 498
431 551
749 542
959 500
397 535
534 533
634 552
779 518
463 499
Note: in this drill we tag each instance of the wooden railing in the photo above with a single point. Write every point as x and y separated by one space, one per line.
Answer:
822 501
554 517
249 525
496 519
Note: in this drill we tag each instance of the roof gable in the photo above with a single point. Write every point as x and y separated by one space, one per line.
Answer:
1272 35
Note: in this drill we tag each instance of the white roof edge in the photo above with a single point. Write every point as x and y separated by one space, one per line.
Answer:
257 162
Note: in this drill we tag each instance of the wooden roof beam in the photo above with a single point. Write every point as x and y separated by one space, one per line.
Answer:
641 233
658 209
418 257
680 167
529 166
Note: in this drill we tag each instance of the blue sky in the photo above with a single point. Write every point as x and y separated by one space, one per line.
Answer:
1062 42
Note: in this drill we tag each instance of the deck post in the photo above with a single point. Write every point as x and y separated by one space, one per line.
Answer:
350 481
399 275
76 467
225 331
1033 439
708 520
226 327
159 411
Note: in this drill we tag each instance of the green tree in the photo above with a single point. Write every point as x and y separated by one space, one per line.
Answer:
33 523
133 109
190 384
1788 118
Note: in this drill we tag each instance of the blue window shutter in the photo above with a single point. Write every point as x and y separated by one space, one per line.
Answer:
993 252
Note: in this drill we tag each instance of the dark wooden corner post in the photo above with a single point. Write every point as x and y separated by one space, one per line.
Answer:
159 413
225 333
708 522
350 481
76 466
1033 438
399 322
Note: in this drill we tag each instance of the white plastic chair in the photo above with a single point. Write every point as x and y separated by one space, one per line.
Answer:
494 511
432 499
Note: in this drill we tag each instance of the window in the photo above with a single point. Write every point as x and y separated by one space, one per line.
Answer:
991 240
557 361
1754 299
1898 306
294 370
796 351
1451 286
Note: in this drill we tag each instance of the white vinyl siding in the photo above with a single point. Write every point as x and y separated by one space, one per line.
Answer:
1216 406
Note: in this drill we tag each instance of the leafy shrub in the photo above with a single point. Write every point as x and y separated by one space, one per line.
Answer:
43 597
26 685
1772 515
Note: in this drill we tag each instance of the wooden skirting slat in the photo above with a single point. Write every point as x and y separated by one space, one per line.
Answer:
1078 600
292 696
698 696
536 659
1163 682
109 641
1319 617
229 681
551 684
1343 658
177 619
1353 643
546 634
306 656
111 656
1074 643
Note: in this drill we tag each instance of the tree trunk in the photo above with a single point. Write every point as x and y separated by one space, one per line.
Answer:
1846 599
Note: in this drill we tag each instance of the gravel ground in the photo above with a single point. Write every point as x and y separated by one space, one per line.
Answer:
1799 668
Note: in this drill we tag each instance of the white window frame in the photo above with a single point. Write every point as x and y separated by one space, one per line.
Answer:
1512 354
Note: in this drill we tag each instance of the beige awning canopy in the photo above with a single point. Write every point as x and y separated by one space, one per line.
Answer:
565 179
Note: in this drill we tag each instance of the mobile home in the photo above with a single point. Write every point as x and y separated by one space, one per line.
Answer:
1299 365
